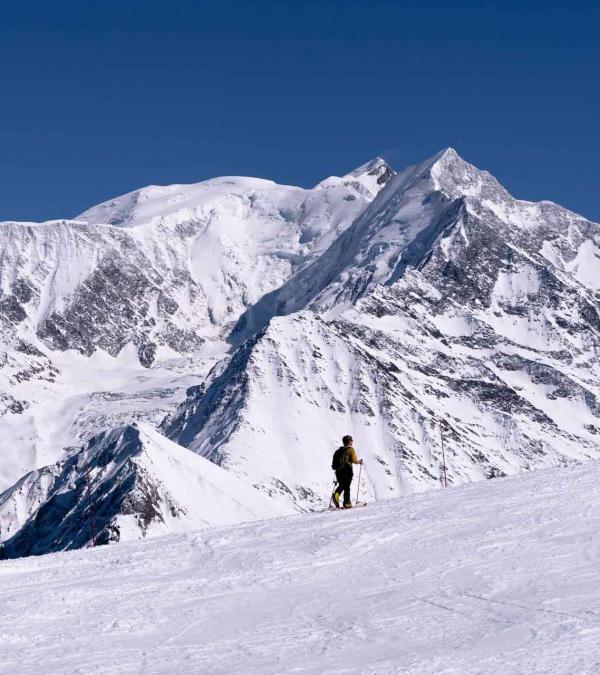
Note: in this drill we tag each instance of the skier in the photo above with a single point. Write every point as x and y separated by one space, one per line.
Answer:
343 459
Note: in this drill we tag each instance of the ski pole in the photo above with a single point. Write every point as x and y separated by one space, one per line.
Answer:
443 455
358 485
90 508
331 498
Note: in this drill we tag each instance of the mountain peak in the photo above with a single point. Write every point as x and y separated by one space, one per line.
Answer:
446 160
448 154
454 176
368 178
377 168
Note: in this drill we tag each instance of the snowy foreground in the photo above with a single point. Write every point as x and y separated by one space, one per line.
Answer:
496 577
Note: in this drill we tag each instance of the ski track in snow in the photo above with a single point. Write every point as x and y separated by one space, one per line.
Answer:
495 577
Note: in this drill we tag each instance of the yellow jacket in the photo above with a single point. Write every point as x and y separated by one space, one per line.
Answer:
351 457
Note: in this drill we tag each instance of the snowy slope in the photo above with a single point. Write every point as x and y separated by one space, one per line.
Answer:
64 398
496 577
125 484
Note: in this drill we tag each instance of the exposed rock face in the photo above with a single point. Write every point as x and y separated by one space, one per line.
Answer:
21 364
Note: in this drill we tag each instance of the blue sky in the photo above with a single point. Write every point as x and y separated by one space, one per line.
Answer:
98 98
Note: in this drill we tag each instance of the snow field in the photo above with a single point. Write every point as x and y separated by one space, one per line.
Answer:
495 577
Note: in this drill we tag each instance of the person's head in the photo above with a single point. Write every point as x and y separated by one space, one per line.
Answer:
347 441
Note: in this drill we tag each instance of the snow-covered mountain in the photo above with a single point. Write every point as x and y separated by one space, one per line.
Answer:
126 483
444 203
447 307
110 317
168 266
257 323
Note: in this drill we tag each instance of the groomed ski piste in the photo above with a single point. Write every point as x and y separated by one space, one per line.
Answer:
500 576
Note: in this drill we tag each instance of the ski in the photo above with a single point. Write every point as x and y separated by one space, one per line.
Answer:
341 508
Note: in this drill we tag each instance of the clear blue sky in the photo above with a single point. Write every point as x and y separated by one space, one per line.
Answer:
101 97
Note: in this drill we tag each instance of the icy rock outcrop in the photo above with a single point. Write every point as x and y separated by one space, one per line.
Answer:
126 483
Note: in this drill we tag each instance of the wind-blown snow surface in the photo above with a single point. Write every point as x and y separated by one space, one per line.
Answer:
495 577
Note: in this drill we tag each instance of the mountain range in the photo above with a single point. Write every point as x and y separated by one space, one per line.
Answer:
436 318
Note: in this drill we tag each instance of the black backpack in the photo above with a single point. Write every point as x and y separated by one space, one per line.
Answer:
339 460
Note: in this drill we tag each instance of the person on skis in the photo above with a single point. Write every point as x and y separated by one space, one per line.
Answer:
343 459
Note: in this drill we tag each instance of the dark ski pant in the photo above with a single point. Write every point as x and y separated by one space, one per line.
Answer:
344 478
